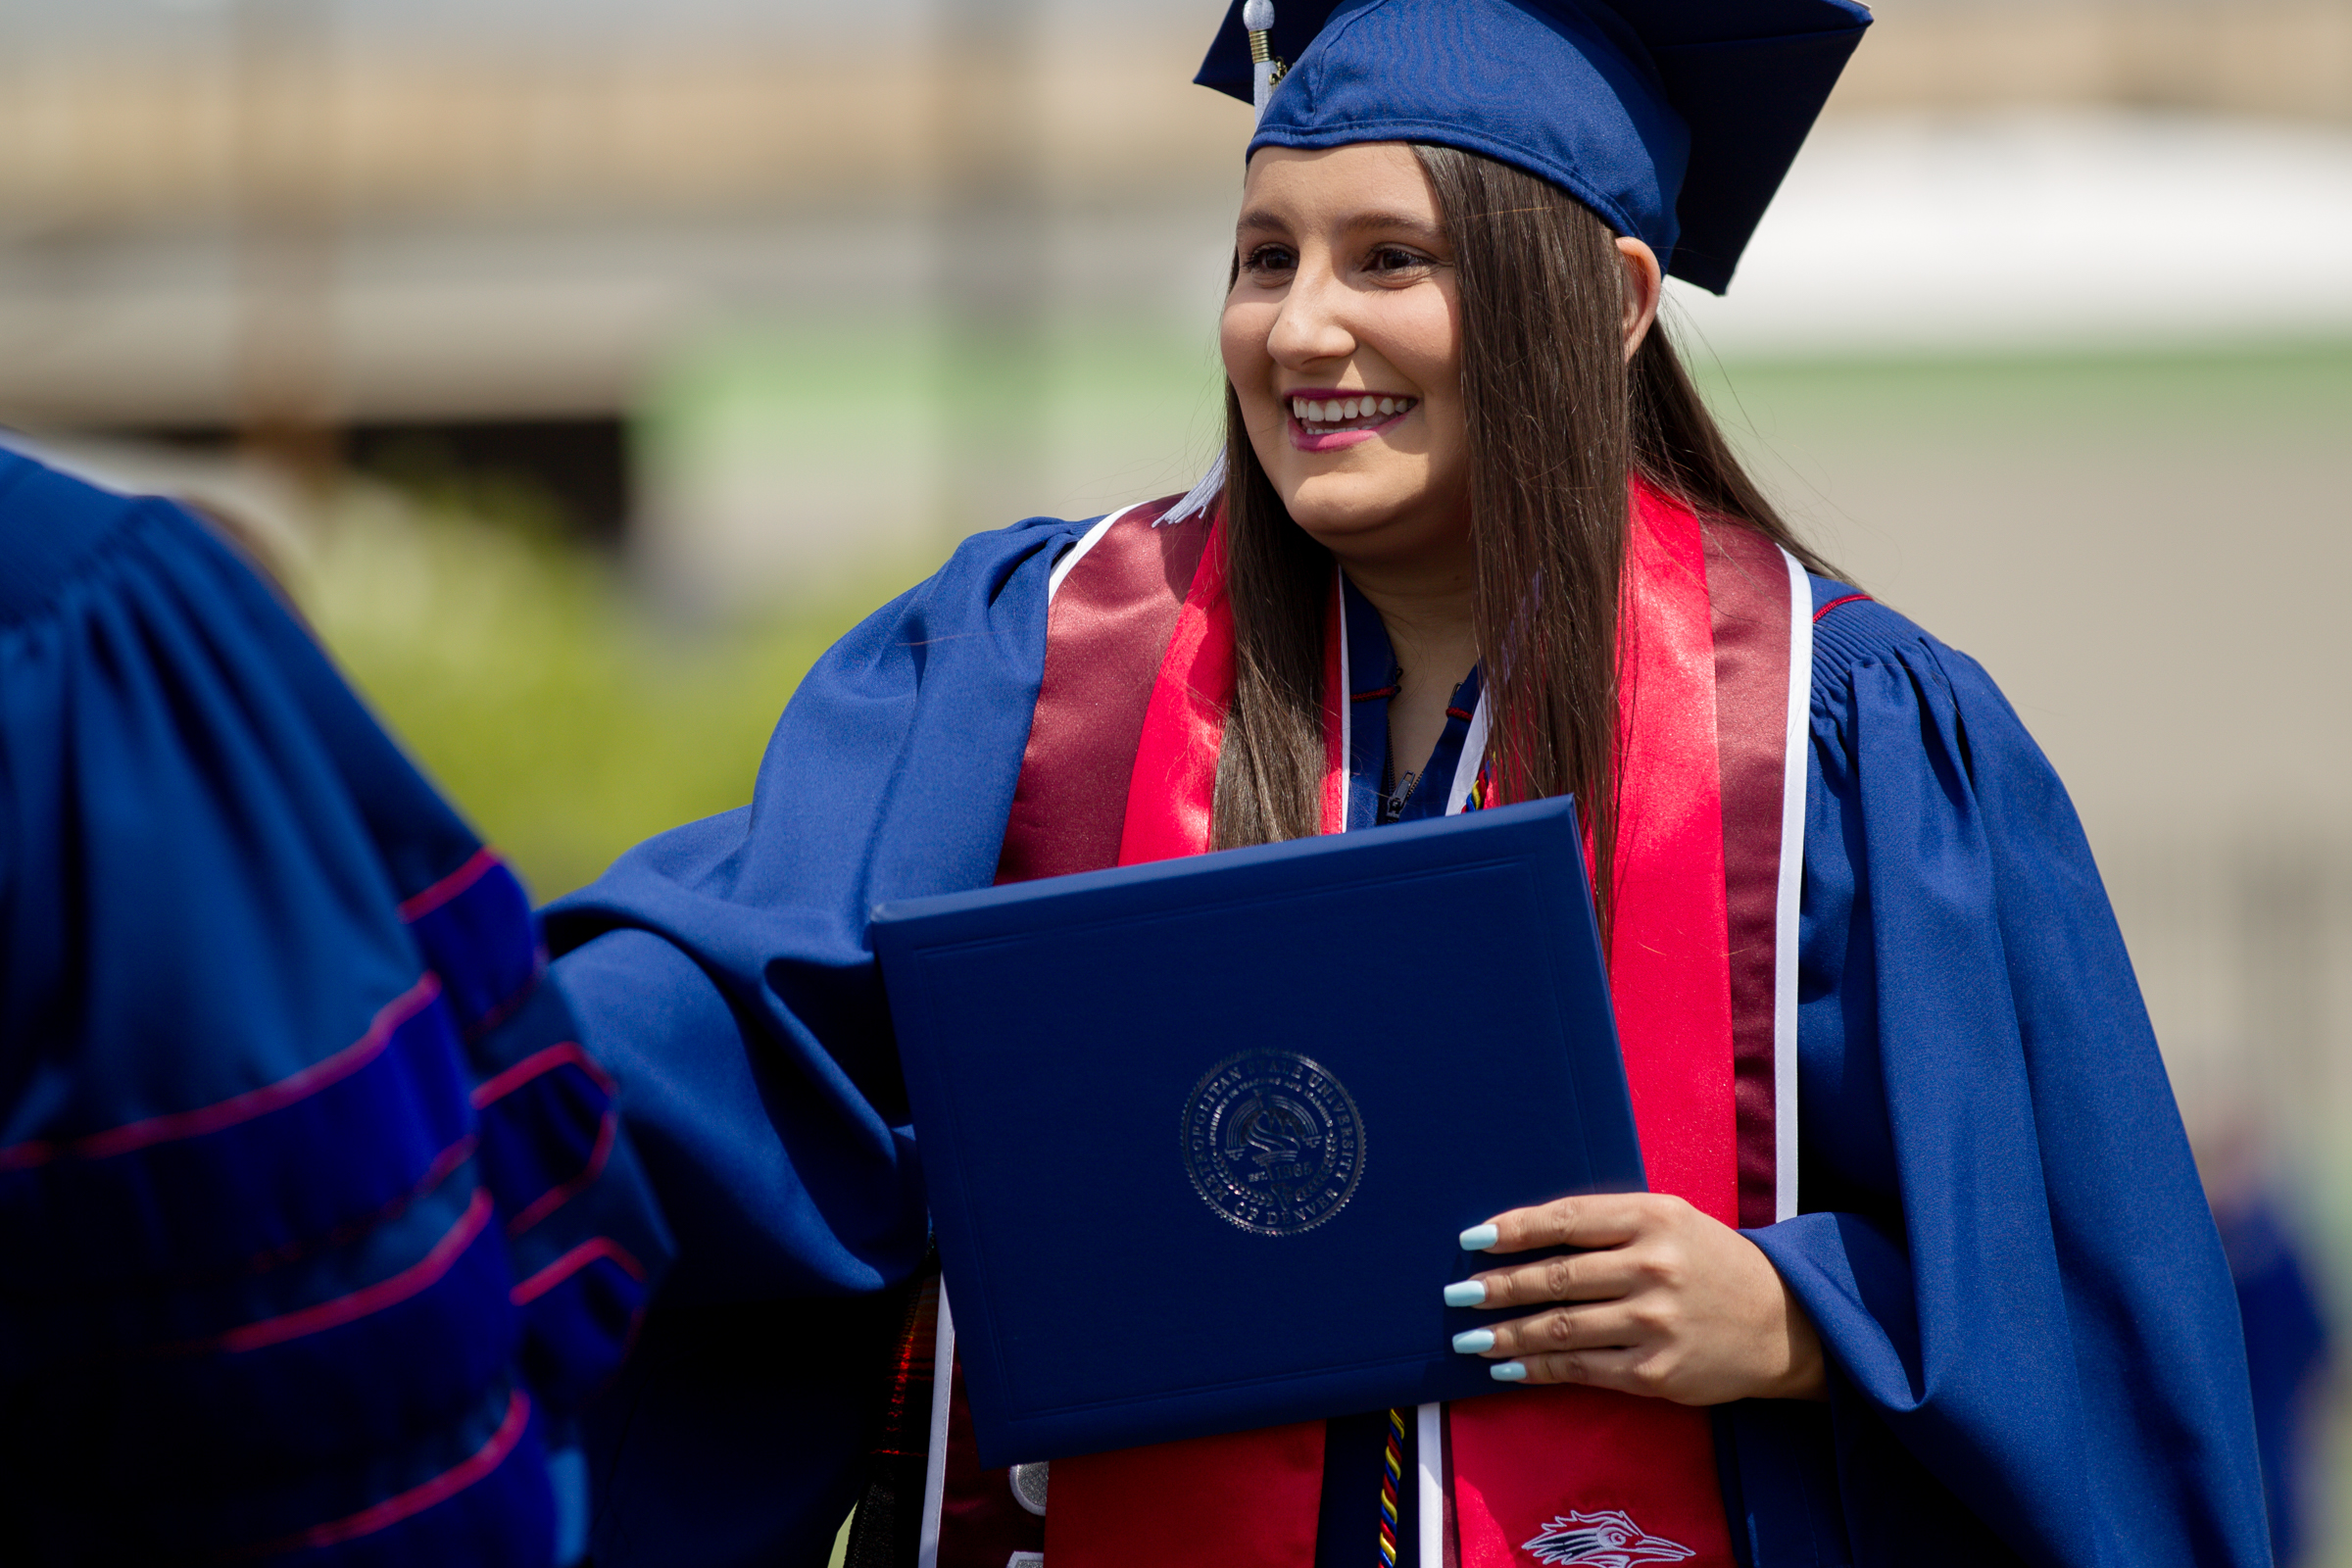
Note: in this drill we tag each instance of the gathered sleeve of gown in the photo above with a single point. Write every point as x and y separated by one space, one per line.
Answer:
724 971
2002 1238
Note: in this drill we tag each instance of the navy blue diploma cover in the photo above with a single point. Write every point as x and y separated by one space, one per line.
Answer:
1200 1134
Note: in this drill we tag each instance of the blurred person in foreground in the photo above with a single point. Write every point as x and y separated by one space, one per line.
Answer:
1925 1277
318 1223
2287 1339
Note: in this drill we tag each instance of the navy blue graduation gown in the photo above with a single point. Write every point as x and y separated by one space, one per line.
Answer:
2035 1347
317 1224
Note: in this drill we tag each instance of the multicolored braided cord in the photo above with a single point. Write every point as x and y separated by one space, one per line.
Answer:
1391 1471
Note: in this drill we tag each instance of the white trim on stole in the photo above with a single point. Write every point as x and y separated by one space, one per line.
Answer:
1429 1431
1346 697
1473 752
1429 1428
1077 552
1429 1443
1429 1455
935 1462
1786 905
942 1355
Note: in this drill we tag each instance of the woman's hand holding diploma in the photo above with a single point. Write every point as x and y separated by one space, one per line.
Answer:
1663 1301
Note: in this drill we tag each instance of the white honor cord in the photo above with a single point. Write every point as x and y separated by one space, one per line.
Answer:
1473 752
935 1463
1429 1451
1338 589
1791 894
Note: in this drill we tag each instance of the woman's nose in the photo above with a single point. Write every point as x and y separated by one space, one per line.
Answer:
1310 325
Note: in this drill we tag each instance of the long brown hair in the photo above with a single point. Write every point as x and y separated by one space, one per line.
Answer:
1557 421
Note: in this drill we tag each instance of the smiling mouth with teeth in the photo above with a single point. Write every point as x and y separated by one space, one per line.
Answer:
1326 415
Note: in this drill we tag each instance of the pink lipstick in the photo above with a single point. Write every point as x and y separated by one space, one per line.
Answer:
1327 418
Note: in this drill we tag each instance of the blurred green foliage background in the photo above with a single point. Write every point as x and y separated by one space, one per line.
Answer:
565 716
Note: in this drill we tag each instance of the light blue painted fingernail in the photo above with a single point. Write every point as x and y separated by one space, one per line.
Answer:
1477 1238
1466 1292
1473 1342
1509 1371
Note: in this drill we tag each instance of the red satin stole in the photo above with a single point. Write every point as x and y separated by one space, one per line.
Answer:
1684 961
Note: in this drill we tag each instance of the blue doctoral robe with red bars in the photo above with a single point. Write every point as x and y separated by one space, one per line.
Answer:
2033 1346
318 1228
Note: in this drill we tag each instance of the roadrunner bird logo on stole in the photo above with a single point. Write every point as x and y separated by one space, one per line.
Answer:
1601 1541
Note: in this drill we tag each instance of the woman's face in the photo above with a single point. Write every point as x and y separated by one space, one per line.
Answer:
1342 339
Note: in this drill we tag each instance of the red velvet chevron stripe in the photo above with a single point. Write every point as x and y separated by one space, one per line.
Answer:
475 928
317 1140
565 1100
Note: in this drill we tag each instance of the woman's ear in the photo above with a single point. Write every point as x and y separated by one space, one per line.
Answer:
1642 284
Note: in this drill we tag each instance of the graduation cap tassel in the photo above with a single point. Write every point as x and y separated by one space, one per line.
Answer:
1257 16
1200 497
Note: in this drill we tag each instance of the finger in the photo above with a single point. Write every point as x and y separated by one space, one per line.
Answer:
1572 1277
1626 1370
1601 1219
1601 1326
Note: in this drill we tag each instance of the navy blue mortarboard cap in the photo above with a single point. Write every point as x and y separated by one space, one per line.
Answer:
1673 119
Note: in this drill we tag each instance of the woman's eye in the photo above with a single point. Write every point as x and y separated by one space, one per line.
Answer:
1396 259
1269 259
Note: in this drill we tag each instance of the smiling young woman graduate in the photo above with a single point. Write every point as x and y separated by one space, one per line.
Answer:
1474 538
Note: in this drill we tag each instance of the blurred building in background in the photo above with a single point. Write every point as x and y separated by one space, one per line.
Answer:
748 309
588 240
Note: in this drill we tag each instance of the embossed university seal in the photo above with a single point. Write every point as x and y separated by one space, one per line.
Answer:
1272 1142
